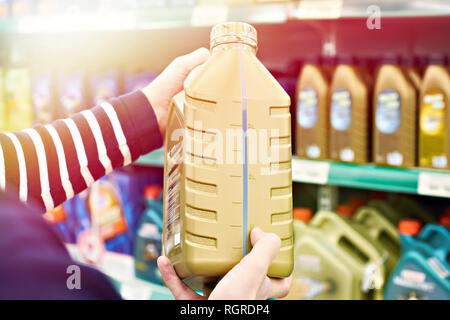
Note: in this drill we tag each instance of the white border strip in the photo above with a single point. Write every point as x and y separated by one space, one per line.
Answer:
63 172
81 153
43 169
101 148
120 137
23 184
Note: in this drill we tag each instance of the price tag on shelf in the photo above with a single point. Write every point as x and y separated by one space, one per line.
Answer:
434 184
209 15
310 171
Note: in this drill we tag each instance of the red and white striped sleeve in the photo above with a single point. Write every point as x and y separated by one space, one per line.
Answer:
49 164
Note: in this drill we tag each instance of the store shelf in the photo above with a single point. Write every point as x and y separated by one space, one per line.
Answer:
368 176
154 159
120 269
155 18
414 181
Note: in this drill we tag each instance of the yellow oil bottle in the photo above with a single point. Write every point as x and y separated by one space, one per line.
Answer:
434 119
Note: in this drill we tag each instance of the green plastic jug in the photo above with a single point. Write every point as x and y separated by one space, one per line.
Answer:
381 232
386 209
334 261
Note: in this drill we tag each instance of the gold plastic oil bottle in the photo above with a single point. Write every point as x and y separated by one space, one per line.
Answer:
394 115
411 66
434 118
349 134
227 162
311 129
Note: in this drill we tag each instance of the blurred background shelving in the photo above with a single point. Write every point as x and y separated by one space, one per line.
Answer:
77 16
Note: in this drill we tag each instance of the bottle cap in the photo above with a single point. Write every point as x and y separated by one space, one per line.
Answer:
153 192
233 32
447 211
409 227
346 210
302 214
444 220
357 201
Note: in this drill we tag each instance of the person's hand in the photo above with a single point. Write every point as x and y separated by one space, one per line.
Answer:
247 280
161 90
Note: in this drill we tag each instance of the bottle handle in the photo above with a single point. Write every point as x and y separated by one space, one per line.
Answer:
343 231
432 230
385 225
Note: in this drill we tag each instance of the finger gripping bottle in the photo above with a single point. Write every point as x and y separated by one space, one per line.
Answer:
227 161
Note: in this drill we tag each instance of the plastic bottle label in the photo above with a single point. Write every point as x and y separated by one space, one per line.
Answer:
307 108
172 197
433 130
388 112
432 120
341 110
313 151
347 155
394 158
309 262
411 282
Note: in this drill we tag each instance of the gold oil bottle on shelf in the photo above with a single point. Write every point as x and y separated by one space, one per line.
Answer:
349 134
411 65
394 115
434 119
312 111
211 203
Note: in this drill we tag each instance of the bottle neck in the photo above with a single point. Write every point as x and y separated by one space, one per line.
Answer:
233 46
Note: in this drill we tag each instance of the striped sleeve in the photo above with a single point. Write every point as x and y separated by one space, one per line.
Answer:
49 164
